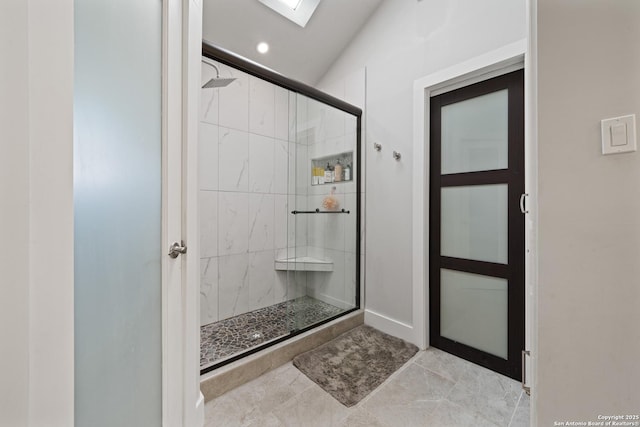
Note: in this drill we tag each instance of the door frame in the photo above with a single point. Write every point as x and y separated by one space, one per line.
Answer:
497 62
182 401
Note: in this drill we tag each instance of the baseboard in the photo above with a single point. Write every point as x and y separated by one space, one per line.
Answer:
390 326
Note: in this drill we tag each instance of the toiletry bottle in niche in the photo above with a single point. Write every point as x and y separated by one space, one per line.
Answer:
327 174
338 172
347 173
314 175
321 173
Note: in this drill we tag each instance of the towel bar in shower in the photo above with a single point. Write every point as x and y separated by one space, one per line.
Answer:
318 211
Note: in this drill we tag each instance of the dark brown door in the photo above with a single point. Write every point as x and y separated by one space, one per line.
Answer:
476 254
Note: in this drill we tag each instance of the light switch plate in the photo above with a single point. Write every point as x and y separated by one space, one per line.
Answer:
619 134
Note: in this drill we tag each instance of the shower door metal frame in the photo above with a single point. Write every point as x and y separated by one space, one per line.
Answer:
231 59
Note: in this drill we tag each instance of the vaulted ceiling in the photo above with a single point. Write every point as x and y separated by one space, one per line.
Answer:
304 54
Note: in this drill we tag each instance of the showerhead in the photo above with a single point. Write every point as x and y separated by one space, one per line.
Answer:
217 82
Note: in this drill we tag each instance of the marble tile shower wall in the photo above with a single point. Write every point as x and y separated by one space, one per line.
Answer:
244 159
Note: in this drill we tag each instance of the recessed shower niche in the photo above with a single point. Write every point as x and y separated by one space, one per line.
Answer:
279 254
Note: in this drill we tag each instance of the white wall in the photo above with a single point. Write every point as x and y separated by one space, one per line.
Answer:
403 41
36 215
589 211
14 214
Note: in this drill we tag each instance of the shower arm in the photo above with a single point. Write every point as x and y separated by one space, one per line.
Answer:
214 67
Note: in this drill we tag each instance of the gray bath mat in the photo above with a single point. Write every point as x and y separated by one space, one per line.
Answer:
354 364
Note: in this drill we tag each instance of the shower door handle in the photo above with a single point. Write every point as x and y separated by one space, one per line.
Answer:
177 249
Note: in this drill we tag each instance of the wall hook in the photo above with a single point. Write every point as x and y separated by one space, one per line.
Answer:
377 146
396 155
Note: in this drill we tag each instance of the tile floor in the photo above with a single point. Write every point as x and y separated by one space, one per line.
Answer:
229 337
434 388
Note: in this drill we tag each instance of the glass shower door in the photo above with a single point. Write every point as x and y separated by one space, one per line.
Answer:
324 217
271 265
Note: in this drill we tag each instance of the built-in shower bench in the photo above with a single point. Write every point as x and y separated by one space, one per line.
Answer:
305 263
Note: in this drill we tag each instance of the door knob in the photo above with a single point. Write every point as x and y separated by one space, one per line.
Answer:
177 249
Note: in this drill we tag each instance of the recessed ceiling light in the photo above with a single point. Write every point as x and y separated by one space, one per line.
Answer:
262 47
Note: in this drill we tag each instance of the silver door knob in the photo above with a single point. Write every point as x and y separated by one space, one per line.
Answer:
177 249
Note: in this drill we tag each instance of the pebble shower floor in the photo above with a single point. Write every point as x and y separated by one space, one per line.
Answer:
228 337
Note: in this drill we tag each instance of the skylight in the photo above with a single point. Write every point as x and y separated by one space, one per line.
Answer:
298 11
293 4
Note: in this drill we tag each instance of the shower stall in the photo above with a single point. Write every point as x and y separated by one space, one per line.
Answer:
279 168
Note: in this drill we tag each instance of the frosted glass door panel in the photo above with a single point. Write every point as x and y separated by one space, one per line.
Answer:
475 134
474 222
474 311
117 197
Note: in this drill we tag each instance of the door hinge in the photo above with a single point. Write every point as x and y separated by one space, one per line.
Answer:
526 388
